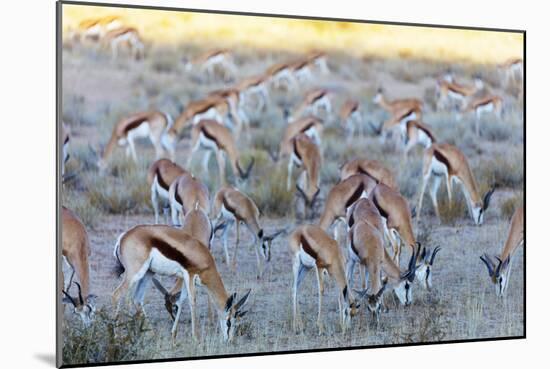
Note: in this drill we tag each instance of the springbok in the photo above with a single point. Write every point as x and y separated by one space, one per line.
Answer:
231 206
305 154
186 192
372 168
146 250
214 137
160 176
312 248
341 197
499 271
151 124
75 253
447 161
124 35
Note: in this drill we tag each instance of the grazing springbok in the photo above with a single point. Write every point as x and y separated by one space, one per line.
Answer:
213 107
484 104
212 61
305 154
231 206
160 176
513 69
366 247
341 197
314 101
146 250
396 218
185 193
312 248
76 252
418 133
213 137
151 124
395 106
253 86
350 117
499 270
309 125
372 168
445 161
448 90
124 35
281 74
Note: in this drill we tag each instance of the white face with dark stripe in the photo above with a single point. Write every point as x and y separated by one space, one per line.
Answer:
403 291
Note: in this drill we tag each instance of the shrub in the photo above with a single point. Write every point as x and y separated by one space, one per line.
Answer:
510 205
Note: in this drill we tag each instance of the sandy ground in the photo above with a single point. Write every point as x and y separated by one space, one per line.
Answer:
462 305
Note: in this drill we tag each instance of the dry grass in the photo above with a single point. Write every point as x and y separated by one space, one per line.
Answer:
98 92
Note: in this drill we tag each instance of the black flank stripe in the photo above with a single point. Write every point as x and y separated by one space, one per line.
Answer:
351 221
296 150
382 212
171 253
352 242
307 247
356 194
178 197
209 136
161 181
136 123
66 140
439 156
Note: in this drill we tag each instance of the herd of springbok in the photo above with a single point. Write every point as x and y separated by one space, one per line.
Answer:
366 202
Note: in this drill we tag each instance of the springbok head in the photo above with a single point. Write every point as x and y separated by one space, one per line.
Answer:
84 307
350 308
233 312
479 209
424 267
374 301
266 241
403 289
497 272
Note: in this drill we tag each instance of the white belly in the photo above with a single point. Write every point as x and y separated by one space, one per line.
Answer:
424 139
438 167
211 113
141 131
160 191
456 96
164 266
487 108
207 143
306 259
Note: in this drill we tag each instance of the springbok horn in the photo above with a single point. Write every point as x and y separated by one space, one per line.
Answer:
243 299
413 212
79 293
361 293
436 250
244 175
160 287
229 302
381 291
69 297
423 255
275 235
487 198
301 192
488 264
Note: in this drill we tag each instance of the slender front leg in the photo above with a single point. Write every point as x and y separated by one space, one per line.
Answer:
425 180
225 236
154 201
350 266
289 173
221 166
433 194
132 147
297 269
321 289
193 307
237 223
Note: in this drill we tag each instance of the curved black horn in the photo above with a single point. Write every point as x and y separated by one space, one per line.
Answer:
271 237
69 297
242 301
487 198
245 174
160 287
229 301
381 291
436 250
79 293
488 263
423 254
314 198
301 192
